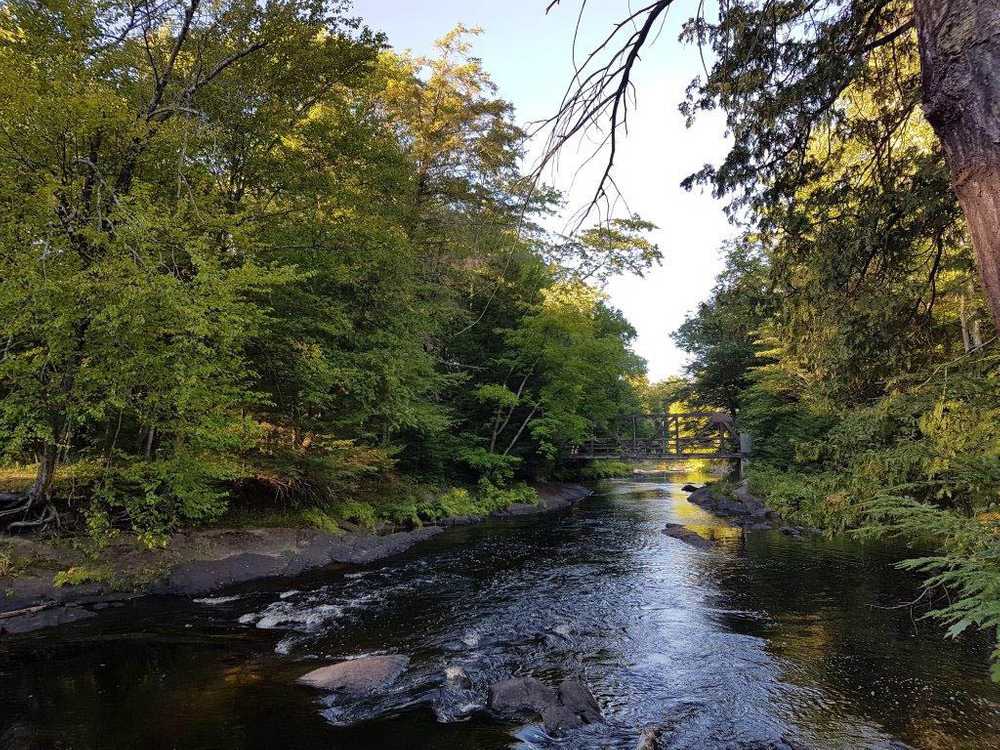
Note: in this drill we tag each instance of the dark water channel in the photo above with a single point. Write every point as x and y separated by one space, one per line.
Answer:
766 642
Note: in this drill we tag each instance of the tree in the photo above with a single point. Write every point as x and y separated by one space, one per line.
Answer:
129 268
247 247
614 248
779 72
721 335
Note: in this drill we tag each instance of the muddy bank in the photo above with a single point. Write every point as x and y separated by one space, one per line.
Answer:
208 560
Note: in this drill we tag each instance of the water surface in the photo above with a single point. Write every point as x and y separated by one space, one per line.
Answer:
765 642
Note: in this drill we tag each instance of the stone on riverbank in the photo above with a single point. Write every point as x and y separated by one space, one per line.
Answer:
677 531
741 506
551 497
357 678
571 705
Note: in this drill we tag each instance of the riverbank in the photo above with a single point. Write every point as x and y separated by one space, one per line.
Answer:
60 584
767 641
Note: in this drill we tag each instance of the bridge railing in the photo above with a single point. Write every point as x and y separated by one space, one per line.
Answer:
666 436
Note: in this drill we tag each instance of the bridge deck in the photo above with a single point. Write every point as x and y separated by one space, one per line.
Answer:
635 456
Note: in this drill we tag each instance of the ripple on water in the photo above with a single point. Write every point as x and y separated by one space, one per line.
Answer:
765 641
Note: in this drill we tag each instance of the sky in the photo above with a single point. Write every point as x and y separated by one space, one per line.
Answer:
529 56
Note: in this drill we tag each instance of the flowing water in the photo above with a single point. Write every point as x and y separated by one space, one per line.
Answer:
764 642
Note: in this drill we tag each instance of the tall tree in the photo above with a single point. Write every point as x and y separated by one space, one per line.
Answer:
779 71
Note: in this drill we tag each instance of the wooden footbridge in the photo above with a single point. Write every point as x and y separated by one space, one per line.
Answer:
667 437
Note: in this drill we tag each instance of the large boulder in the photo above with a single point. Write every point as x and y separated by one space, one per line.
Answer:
520 695
571 705
357 678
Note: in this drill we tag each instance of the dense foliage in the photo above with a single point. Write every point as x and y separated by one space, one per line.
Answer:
846 331
248 248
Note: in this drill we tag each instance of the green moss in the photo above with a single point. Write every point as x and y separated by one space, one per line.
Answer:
81 574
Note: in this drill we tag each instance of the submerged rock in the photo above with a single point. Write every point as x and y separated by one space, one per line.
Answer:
455 701
677 531
457 676
520 694
357 678
650 738
571 705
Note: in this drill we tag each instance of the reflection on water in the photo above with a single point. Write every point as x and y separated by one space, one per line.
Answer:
765 642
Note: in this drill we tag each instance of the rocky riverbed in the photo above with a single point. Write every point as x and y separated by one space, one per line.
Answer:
588 629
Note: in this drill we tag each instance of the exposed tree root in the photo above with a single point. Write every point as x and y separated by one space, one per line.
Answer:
26 511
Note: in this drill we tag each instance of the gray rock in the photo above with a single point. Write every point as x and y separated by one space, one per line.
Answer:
43 617
357 678
521 694
677 531
572 705
319 550
649 739
577 706
689 488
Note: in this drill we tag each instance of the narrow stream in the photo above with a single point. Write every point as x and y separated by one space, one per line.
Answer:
765 642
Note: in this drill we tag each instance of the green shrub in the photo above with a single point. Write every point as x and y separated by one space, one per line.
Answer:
606 470
492 498
494 467
458 502
322 520
158 496
810 499
356 511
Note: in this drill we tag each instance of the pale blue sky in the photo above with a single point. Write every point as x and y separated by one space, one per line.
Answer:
528 54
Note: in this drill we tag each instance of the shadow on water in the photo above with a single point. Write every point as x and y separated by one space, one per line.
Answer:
763 642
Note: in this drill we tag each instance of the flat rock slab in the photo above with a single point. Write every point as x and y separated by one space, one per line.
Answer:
314 550
677 531
357 678
551 497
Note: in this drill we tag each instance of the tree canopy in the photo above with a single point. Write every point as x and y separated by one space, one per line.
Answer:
250 248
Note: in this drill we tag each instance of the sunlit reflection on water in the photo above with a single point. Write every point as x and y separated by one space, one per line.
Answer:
762 642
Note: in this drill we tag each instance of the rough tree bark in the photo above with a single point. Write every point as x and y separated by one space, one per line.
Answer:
960 66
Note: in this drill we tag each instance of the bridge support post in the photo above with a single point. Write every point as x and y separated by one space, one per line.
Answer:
746 446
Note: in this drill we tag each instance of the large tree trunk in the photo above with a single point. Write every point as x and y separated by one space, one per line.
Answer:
960 64
46 472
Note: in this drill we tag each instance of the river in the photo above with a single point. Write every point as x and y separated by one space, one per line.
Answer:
765 642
